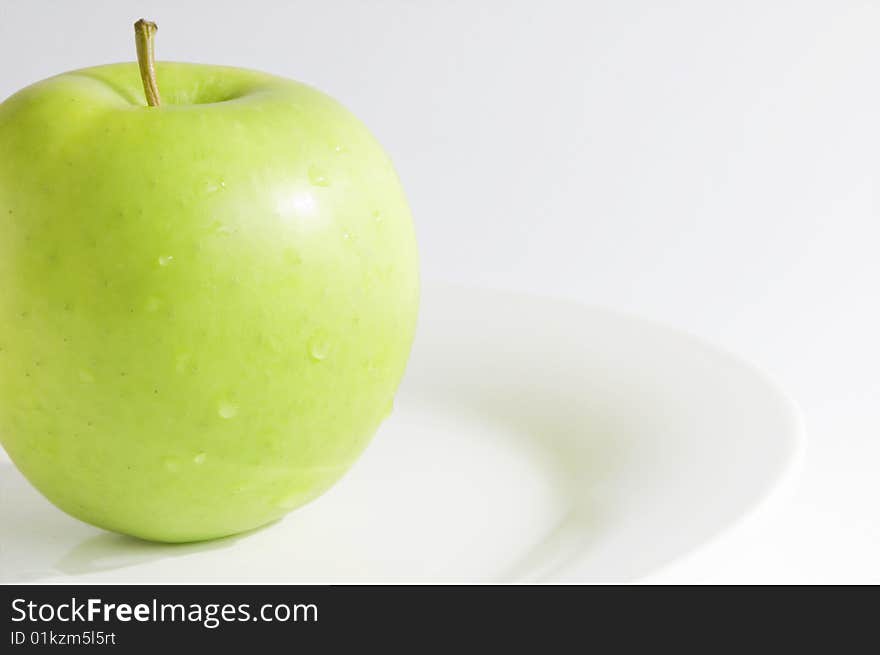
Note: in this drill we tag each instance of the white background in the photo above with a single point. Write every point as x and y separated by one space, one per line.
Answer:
710 164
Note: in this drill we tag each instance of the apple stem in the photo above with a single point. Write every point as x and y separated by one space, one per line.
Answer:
144 31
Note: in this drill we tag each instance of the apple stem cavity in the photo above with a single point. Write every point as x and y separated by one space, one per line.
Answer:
144 31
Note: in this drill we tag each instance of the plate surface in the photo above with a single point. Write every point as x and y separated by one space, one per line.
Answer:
533 440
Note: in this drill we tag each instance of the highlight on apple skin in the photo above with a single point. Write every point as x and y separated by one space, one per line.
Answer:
207 305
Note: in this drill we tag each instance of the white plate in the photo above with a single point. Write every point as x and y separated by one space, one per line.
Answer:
533 440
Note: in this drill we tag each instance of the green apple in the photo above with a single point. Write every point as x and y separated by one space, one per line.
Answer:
207 305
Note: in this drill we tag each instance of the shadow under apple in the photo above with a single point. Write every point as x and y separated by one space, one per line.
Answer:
39 542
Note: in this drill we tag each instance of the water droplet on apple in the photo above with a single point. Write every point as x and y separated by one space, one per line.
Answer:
377 216
339 149
164 260
214 187
153 304
290 501
317 177
171 464
182 362
222 230
274 345
319 346
292 257
86 377
227 410
371 277
346 236
200 458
